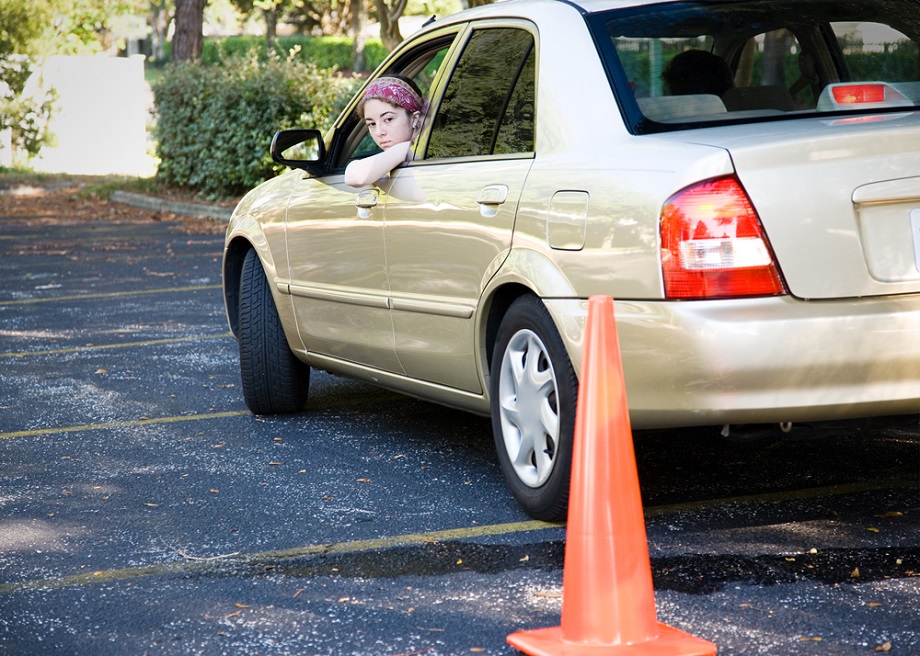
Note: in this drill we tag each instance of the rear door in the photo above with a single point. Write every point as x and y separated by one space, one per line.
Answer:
449 216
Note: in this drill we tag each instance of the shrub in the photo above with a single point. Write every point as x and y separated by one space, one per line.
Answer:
215 122
324 52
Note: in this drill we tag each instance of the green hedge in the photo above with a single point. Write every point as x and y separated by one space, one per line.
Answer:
215 122
324 52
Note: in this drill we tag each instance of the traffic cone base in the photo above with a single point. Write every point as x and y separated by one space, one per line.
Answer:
670 642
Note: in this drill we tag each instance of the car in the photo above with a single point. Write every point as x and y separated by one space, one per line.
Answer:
753 208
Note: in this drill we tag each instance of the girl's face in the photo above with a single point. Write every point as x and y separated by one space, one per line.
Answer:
389 124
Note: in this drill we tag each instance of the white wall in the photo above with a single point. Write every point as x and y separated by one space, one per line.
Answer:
100 116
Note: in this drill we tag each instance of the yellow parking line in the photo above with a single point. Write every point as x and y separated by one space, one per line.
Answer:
82 297
358 546
355 546
121 424
100 347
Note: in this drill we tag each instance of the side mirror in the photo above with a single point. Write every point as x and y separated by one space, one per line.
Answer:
299 149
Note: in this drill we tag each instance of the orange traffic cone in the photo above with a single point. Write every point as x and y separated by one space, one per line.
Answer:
608 603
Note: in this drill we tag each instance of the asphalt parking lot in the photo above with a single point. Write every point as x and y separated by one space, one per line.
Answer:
143 510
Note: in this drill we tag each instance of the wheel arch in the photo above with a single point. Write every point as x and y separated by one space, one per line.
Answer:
523 272
245 236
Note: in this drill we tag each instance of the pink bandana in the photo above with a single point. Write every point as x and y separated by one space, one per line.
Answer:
394 91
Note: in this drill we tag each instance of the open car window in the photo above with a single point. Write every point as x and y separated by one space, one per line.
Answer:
773 60
422 65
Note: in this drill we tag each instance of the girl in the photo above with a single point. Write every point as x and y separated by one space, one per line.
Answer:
392 109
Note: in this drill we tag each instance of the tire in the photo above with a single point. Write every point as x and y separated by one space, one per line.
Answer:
534 392
274 380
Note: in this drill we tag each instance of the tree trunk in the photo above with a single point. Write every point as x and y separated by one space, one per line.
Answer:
187 42
158 21
389 22
271 23
359 20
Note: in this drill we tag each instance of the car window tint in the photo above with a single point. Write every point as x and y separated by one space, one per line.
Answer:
784 58
488 104
873 51
516 133
772 72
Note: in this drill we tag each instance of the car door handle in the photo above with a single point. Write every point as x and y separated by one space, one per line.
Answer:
493 195
367 198
490 198
365 202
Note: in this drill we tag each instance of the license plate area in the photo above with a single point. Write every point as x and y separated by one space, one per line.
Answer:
891 255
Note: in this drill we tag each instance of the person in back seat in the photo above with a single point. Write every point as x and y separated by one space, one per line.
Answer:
697 71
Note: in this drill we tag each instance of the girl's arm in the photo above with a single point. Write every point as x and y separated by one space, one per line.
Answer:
361 172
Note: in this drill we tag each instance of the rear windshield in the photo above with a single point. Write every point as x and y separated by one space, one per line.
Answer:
683 65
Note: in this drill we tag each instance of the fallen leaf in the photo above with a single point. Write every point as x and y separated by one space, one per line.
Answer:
524 559
872 528
854 574
889 515
241 605
275 463
885 646
342 600
297 592
459 561
213 491
812 639
477 649
151 505
873 604
101 371
364 480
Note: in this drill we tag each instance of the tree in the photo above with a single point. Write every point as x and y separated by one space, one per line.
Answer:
188 39
22 25
388 16
359 20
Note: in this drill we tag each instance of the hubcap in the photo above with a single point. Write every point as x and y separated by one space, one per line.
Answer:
529 408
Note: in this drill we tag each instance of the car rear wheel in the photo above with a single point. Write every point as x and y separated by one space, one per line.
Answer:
534 394
274 380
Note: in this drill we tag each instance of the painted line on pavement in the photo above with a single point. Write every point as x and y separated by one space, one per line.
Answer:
410 539
122 424
82 297
101 347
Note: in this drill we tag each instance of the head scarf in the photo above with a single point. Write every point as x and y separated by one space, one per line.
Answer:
394 91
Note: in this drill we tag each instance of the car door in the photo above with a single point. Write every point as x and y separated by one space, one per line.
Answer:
339 280
449 216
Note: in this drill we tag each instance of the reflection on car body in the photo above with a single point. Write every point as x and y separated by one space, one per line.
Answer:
761 245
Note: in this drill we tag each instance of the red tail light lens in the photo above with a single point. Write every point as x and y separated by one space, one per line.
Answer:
713 246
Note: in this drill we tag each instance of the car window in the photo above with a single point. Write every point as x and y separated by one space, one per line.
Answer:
488 105
422 66
874 51
772 59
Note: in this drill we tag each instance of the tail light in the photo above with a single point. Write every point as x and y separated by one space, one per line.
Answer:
713 245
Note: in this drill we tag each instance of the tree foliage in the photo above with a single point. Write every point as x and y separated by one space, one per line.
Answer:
22 25
215 121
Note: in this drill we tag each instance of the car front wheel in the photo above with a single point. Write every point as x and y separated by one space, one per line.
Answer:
534 392
274 380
